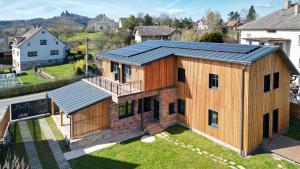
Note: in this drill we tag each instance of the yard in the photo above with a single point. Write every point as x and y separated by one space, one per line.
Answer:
61 71
179 148
29 77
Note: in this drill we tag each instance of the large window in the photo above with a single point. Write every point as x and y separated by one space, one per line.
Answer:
126 109
181 75
54 52
32 54
147 104
114 67
276 80
181 106
43 42
213 81
127 71
267 83
140 106
213 118
171 108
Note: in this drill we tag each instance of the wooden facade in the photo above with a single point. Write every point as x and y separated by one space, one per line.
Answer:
91 119
295 110
4 122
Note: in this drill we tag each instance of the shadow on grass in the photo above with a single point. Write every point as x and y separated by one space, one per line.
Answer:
176 129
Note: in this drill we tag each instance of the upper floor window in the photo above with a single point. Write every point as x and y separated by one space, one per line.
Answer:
114 67
127 71
213 118
181 106
126 109
276 80
181 75
213 81
267 83
43 42
32 54
54 52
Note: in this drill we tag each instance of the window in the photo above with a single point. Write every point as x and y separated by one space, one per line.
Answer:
181 75
126 109
262 43
271 31
140 106
267 84
54 52
147 104
181 106
127 71
213 81
28 44
32 54
114 67
276 80
213 118
171 108
43 42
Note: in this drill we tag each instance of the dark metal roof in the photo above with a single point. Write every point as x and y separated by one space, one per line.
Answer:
154 30
76 96
153 50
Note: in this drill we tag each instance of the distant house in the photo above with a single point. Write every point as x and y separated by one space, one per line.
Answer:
232 25
280 28
143 33
101 22
202 24
122 22
4 46
37 47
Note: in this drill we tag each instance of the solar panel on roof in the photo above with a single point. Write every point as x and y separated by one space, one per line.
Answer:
132 50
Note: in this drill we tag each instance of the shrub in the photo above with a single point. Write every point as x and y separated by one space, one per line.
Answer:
216 37
79 67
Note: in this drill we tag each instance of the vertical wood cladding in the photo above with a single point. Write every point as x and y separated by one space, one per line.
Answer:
160 74
91 119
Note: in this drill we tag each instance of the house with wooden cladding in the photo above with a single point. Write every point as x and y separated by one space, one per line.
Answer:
235 95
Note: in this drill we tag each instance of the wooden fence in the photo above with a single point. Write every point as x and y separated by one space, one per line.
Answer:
295 110
4 123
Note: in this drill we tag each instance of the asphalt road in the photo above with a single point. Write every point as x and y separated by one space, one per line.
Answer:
6 102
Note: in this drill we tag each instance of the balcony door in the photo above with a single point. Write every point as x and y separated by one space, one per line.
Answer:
126 73
115 71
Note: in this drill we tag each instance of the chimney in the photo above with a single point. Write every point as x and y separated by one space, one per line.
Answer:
287 4
297 9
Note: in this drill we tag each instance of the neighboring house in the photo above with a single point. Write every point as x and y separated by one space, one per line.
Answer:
37 47
122 22
143 33
101 22
4 48
205 86
232 25
280 28
202 24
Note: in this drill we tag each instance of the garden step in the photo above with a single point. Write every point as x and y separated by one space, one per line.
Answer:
153 128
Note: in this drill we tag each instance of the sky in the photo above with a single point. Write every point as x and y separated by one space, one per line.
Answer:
28 9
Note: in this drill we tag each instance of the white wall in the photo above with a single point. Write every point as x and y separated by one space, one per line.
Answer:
293 52
137 37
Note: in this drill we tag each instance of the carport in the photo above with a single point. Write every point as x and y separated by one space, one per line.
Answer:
83 108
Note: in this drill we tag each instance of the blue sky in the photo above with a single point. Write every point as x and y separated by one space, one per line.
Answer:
26 9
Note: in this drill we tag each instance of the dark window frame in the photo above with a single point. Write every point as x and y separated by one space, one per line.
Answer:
172 108
32 53
181 106
43 42
213 118
267 83
276 80
213 81
140 106
126 109
147 104
54 52
181 75
114 67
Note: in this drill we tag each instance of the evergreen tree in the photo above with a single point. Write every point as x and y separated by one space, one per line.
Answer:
147 20
187 23
176 23
251 14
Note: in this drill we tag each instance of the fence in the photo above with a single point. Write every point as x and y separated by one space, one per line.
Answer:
4 122
295 110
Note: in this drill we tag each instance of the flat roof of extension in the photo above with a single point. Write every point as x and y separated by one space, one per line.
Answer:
152 50
77 96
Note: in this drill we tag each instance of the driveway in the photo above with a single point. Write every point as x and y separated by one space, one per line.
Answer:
285 147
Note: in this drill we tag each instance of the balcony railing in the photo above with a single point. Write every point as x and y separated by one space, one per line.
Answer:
115 87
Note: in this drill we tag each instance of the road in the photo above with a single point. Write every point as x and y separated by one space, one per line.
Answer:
6 102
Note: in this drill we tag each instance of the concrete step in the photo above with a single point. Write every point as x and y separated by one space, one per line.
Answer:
153 128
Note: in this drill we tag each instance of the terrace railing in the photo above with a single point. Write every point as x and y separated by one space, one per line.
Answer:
115 87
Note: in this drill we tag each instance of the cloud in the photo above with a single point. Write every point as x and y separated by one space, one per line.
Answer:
261 5
172 11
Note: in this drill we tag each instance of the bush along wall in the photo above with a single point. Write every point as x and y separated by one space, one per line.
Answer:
29 89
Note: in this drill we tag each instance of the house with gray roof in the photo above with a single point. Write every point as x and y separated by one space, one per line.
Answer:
100 23
280 28
143 33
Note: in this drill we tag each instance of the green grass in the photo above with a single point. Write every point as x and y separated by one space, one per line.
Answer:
162 154
294 130
43 149
81 36
29 77
58 134
61 71
16 145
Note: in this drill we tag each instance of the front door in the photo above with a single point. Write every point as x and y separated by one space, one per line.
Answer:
266 125
275 121
156 109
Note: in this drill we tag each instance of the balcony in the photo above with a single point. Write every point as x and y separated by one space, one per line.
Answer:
115 87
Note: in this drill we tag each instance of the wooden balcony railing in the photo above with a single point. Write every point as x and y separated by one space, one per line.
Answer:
115 87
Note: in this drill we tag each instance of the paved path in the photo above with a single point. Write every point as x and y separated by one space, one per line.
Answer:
55 148
285 147
32 155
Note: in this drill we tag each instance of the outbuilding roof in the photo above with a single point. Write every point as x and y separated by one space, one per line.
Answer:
150 51
76 96
154 30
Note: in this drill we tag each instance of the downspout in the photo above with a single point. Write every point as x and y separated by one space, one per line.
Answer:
242 112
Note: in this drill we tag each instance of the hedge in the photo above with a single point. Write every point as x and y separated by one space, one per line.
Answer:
36 88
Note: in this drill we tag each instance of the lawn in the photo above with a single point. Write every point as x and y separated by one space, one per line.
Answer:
166 154
294 130
63 71
29 77
80 37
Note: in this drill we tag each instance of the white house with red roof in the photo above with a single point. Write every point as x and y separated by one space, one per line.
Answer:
37 47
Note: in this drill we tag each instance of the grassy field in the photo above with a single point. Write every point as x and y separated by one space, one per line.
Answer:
164 154
61 71
81 36
294 130
29 77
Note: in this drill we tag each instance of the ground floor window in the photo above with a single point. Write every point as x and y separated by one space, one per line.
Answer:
126 109
140 106
213 118
147 104
181 106
171 108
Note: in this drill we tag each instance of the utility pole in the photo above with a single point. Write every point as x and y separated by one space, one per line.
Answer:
86 57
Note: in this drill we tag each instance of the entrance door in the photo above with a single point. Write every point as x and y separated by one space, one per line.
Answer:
266 126
275 121
156 109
